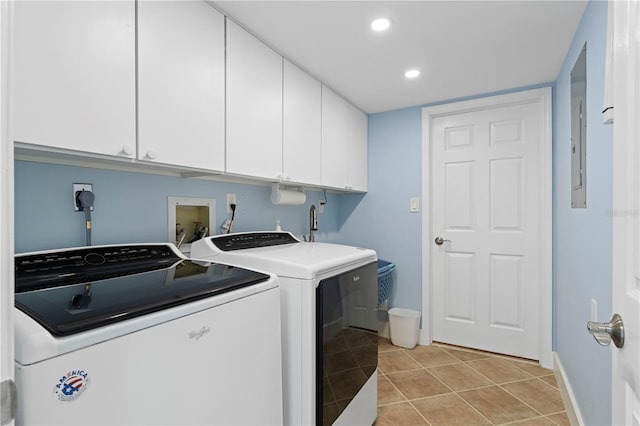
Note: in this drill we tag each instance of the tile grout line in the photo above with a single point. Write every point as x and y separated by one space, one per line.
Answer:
530 376
486 354
422 367
499 385
468 363
496 384
471 406
403 371
398 390
438 365
419 413
525 403
515 422
553 414
406 400
475 409
454 392
492 384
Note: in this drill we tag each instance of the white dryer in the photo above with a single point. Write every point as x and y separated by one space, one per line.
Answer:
138 334
329 296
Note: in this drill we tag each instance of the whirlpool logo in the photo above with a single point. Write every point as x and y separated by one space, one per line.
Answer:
71 386
197 335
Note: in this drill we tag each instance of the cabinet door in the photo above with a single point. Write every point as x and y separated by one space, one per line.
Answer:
334 140
301 142
74 75
357 145
181 84
254 106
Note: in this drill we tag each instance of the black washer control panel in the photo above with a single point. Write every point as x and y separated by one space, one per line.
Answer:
252 240
43 270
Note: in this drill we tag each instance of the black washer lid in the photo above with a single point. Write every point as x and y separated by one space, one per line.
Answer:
68 309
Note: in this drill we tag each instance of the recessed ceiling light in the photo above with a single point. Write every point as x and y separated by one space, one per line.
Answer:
381 24
412 73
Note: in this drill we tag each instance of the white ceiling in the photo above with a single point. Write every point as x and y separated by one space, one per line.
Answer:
463 48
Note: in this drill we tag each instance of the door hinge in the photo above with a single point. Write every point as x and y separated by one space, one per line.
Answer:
8 401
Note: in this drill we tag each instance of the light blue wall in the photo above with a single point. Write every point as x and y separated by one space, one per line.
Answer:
132 207
582 237
381 219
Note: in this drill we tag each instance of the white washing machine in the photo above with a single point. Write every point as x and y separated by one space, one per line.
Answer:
329 296
138 334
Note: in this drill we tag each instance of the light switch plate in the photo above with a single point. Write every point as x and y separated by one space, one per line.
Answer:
414 205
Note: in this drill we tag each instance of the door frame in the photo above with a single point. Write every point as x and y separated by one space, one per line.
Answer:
541 97
624 18
6 203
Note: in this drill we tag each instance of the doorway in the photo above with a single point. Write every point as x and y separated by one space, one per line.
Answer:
486 239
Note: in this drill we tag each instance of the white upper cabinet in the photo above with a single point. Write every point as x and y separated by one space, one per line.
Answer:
357 130
344 144
88 78
74 75
254 106
301 144
334 140
181 84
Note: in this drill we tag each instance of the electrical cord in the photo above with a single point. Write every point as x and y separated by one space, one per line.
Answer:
84 200
233 215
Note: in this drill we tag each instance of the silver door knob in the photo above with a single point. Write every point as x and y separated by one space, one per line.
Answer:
605 332
439 241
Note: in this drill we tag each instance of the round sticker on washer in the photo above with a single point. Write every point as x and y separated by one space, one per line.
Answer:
71 386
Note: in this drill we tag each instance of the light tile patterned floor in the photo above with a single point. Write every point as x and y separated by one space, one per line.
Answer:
443 385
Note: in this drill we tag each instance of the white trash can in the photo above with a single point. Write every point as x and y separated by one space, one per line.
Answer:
404 327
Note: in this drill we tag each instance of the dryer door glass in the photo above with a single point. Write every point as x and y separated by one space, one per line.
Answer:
346 339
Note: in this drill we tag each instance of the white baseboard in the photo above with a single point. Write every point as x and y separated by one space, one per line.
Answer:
383 329
424 338
568 397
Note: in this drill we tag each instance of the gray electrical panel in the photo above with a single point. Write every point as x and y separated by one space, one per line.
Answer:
579 131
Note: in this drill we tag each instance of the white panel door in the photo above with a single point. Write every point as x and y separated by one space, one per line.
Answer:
254 106
626 212
181 84
74 75
6 219
485 195
301 143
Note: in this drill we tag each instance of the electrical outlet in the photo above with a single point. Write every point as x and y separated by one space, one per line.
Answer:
321 204
78 187
231 199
